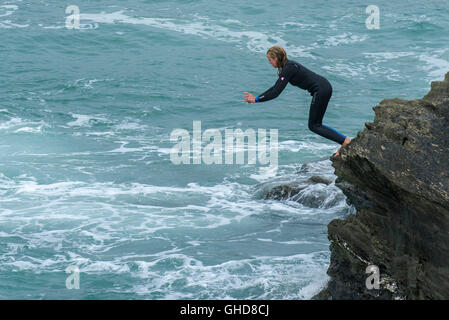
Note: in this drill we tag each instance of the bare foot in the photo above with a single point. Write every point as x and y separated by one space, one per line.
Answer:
336 154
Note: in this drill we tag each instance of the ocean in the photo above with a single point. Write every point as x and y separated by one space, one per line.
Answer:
92 205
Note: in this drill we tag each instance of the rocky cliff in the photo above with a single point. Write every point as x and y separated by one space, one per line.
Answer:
396 174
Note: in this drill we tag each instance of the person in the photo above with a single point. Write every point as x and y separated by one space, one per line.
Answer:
290 71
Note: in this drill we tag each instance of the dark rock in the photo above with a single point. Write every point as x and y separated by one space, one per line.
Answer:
318 179
290 190
396 174
284 191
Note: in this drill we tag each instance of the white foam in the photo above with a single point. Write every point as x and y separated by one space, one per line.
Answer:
254 40
49 189
102 133
123 149
382 56
348 70
52 27
8 24
37 129
8 9
11 123
105 266
14 122
21 265
194 243
14 248
325 197
88 26
265 173
298 145
295 208
298 24
313 287
233 21
164 150
194 216
29 129
126 125
344 38
87 83
83 120
107 189
267 277
436 66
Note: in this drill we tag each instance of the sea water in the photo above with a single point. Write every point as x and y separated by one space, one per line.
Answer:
92 207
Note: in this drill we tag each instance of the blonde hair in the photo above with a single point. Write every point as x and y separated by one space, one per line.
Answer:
278 53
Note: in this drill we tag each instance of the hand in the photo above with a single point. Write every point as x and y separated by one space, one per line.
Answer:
250 98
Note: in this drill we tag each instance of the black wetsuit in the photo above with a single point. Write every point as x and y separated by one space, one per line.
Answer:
318 86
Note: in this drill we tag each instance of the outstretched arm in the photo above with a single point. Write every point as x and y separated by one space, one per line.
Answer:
278 87
267 95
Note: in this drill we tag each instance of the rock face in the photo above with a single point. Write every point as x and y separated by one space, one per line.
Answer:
396 174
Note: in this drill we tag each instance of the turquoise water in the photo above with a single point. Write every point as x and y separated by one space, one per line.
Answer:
86 114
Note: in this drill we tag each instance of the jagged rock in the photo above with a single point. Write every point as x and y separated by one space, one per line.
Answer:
318 179
291 189
396 174
284 191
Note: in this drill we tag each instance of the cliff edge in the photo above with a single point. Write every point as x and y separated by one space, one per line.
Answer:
396 174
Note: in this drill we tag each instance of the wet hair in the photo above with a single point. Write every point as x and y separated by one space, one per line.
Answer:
278 53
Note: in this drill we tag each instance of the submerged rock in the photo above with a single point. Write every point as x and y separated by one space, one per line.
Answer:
396 174
284 191
291 189
312 187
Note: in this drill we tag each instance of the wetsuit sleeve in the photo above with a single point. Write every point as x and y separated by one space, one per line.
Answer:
278 87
